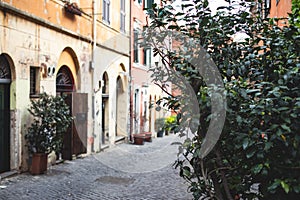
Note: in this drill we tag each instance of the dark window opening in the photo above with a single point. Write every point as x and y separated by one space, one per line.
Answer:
148 3
34 72
135 47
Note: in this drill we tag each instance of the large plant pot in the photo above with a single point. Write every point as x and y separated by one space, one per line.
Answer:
148 137
39 163
160 133
139 139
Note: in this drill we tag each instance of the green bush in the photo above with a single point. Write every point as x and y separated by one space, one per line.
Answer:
171 123
258 153
51 118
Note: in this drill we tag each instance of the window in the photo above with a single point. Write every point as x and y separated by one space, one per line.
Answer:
140 1
148 3
264 8
5 75
106 11
147 56
34 78
64 80
135 46
122 14
267 8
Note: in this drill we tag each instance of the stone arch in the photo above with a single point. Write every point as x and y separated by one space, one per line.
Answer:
105 81
69 58
121 107
122 66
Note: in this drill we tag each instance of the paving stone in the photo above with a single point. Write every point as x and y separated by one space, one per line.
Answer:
123 172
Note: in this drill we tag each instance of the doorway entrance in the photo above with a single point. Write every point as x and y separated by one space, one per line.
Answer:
75 139
5 79
105 109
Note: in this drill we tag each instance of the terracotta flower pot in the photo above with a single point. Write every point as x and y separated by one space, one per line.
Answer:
139 139
39 163
148 137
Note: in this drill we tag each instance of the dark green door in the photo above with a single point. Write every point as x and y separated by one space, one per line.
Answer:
4 128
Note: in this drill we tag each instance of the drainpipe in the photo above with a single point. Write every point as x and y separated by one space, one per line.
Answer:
92 66
130 76
130 73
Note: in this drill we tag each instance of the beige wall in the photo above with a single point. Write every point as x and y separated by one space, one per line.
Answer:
42 32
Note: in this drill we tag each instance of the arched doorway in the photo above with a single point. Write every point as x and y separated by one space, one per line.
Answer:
68 81
118 99
105 109
5 80
121 112
65 85
76 137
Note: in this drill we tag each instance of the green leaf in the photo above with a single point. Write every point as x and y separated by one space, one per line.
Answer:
274 185
285 127
250 154
296 189
245 143
257 168
285 186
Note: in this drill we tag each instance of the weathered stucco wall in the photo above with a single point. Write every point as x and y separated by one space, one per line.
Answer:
42 34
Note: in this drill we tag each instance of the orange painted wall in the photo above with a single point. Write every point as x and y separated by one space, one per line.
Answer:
53 11
281 9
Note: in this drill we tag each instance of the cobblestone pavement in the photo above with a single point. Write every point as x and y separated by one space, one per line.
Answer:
123 172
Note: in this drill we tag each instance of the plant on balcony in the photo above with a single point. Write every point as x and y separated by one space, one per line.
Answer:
72 8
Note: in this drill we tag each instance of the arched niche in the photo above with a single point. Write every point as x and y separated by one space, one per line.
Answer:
105 108
68 58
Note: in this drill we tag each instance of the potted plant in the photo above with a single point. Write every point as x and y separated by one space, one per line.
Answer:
139 138
148 136
159 126
170 124
51 118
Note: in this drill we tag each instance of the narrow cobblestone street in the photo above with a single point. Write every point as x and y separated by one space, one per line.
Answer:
124 172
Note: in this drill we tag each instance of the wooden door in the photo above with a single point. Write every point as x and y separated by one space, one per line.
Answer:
79 110
75 139
4 128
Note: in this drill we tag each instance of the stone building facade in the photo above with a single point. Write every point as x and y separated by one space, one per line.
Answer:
143 91
79 48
